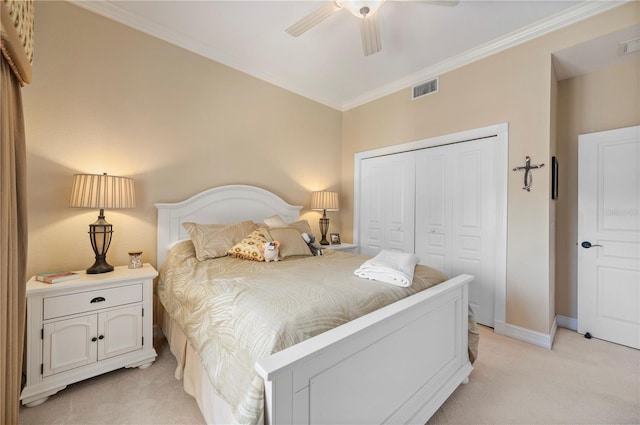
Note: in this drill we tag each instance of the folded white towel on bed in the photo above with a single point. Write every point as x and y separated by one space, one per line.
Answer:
390 267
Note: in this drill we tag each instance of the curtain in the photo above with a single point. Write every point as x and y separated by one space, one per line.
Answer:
13 242
15 70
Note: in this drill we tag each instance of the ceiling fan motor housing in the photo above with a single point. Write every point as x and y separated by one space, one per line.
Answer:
361 8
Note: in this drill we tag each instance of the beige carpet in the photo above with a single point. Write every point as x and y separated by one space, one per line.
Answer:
579 381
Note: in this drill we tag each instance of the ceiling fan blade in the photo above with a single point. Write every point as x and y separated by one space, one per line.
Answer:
370 33
313 19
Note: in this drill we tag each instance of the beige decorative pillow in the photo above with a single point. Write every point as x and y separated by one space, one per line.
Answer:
214 240
249 247
304 227
290 238
275 221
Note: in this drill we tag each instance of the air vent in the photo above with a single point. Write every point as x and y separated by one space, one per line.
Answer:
630 46
424 89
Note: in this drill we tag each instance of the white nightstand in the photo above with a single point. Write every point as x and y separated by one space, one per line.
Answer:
81 328
345 247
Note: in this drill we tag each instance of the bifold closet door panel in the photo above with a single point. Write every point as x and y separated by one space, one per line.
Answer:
387 195
456 216
474 223
433 208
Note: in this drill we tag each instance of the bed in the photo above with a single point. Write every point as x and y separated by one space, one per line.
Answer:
395 364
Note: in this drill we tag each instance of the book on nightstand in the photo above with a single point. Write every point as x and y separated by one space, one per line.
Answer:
56 277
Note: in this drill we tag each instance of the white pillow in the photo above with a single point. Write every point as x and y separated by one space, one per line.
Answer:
172 244
275 221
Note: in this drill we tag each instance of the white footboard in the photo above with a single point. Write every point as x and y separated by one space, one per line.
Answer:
395 365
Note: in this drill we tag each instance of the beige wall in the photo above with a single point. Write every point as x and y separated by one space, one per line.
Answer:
107 98
598 101
513 86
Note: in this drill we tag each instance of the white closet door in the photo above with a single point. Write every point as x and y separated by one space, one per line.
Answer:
456 210
387 203
474 223
433 208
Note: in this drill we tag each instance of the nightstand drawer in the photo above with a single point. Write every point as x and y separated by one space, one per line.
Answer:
81 302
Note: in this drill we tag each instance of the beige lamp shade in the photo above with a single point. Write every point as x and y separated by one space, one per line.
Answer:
325 200
101 191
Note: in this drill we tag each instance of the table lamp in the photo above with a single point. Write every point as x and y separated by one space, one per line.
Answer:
102 192
324 201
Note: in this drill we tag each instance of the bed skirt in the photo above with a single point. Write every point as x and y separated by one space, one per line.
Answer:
195 379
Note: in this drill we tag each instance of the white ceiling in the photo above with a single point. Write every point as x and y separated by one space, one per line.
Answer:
593 55
326 64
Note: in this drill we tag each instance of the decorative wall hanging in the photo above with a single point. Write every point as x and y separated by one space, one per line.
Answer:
528 175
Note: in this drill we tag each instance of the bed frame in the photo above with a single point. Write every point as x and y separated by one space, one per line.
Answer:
395 365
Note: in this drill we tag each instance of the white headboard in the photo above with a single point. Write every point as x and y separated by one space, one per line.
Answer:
223 204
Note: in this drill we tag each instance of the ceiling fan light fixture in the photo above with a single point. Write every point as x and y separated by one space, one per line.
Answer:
362 8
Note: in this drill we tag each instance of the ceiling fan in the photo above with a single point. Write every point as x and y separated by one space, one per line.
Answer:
365 10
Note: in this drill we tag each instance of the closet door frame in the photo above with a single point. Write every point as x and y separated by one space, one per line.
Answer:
501 131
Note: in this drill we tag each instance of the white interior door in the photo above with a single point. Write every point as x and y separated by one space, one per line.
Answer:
456 216
388 203
609 235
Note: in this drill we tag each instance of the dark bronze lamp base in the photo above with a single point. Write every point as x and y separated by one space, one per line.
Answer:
324 228
100 266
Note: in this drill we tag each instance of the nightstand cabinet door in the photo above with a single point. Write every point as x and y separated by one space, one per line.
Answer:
67 344
121 331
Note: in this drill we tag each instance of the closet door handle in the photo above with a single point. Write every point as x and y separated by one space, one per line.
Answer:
587 244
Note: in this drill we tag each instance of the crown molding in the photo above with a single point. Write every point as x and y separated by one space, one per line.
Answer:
559 20
562 19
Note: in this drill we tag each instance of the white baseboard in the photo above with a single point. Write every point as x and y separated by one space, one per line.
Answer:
532 337
567 322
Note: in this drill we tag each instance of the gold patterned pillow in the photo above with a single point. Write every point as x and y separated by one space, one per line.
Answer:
214 240
249 247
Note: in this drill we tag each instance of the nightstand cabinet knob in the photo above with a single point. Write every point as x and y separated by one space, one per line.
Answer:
101 337
94 339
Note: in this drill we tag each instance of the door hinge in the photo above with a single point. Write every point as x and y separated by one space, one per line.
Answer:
41 368
42 333
142 311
